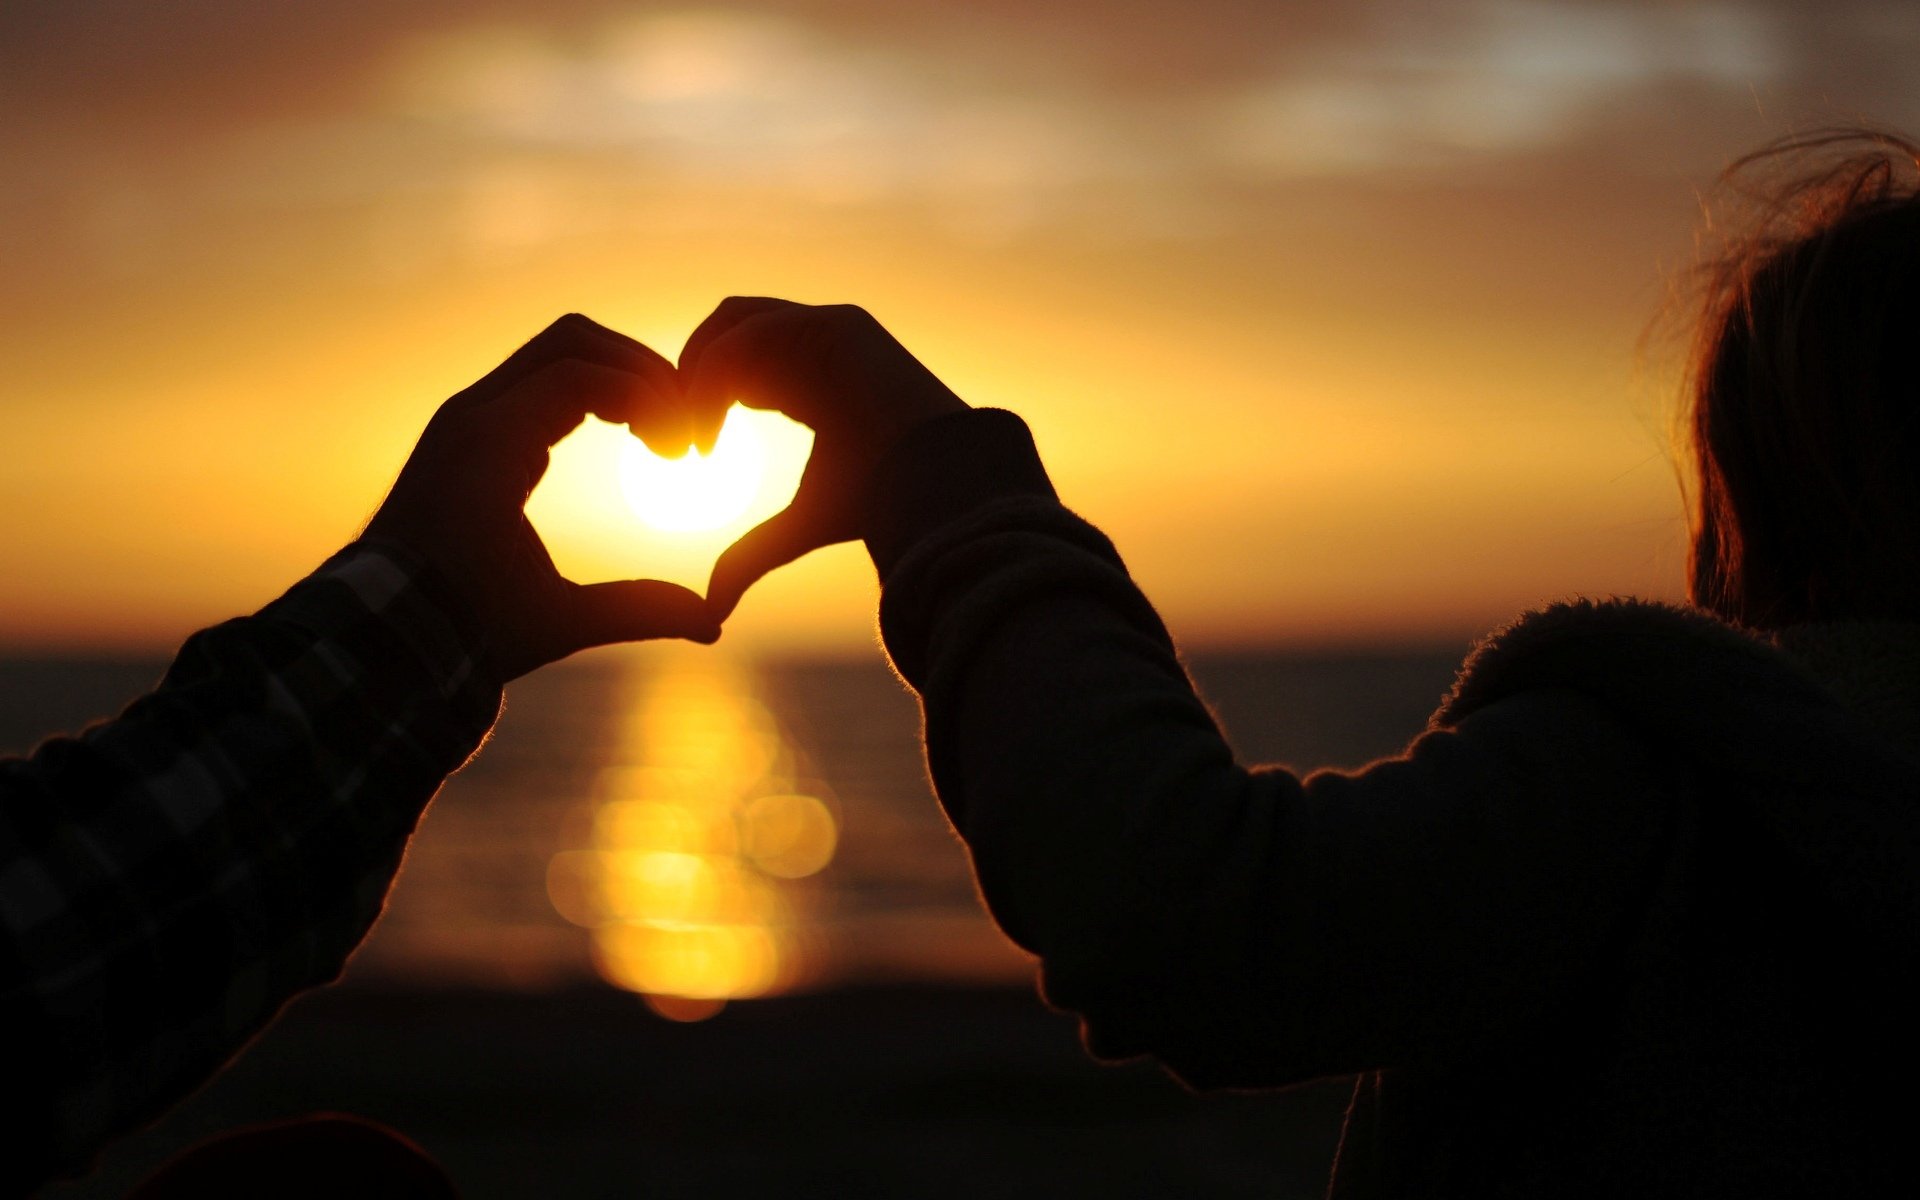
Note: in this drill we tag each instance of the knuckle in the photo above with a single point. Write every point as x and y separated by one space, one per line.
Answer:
568 323
451 424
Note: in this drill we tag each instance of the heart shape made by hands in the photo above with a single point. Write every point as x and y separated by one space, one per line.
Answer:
609 508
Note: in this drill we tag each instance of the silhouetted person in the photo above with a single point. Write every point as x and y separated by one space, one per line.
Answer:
1637 917
170 878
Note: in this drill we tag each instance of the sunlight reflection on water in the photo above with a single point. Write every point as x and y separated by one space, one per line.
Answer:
647 791
703 838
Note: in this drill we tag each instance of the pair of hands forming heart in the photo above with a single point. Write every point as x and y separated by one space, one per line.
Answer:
459 503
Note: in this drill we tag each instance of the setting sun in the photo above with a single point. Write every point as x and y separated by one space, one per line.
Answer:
611 509
696 492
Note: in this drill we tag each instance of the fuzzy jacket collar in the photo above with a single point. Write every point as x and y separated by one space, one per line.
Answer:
1813 732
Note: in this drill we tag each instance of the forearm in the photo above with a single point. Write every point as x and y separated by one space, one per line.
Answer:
175 875
1103 808
1112 833
1244 926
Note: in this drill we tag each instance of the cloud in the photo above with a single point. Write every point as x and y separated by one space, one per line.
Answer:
764 104
1423 85
489 129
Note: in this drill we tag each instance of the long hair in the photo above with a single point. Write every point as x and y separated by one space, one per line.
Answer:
1804 388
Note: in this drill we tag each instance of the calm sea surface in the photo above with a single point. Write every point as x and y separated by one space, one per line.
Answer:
700 827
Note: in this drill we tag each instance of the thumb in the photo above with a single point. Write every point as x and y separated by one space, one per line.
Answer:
775 542
634 610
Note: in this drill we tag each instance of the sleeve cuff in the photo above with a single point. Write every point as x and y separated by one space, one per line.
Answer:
944 470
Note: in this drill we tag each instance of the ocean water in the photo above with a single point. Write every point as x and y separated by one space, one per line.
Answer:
701 827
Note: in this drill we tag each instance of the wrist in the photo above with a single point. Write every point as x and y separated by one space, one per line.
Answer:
943 469
436 584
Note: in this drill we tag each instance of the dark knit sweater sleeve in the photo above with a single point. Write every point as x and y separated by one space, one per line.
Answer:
1244 926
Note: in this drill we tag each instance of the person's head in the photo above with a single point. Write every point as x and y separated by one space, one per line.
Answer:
1805 390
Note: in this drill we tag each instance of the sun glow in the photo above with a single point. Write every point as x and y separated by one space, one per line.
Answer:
611 509
696 492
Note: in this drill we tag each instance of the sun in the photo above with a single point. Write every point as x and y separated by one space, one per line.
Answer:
696 492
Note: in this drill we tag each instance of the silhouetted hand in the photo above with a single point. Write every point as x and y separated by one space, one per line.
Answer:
460 500
831 367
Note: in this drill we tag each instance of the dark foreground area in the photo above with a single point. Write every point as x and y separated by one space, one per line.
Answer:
908 1092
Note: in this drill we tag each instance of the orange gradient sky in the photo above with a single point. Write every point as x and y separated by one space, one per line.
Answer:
1326 310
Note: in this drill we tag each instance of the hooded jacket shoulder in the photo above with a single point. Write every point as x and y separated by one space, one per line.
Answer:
1769 980
1752 717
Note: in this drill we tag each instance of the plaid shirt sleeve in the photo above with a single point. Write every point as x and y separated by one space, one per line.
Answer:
169 879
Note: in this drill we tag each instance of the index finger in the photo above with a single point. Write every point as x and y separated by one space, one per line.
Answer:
572 336
770 359
551 401
710 411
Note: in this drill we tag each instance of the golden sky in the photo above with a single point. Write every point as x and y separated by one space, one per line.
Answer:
1326 309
